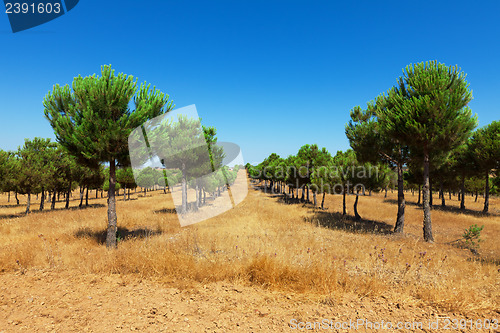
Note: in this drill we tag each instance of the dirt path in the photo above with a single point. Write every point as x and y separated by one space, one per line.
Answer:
54 301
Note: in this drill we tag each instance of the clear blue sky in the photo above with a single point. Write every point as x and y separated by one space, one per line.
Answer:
269 75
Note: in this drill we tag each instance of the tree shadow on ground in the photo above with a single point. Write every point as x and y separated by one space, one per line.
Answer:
165 211
122 234
48 210
485 261
337 221
450 209
282 197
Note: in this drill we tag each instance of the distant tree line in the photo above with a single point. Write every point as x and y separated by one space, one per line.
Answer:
419 136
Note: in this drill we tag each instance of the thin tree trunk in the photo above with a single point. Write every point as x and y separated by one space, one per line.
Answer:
443 203
197 197
67 196
8 198
53 204
476 195
42 200
385 196
462 202
356 215
307 197
87 197
124 192
430 192
82 188
344 210
28 203
419 193
400 219
487 193
184 189
428 237
323 201
17 199
129 193
314 199
449 193
111 232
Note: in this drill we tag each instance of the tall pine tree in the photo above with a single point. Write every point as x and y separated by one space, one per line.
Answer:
92 120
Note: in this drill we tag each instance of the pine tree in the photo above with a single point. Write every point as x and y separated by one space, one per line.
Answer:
371 144
485 148
92 120
430 114
31 173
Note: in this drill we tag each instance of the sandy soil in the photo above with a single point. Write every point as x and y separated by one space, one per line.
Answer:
58 301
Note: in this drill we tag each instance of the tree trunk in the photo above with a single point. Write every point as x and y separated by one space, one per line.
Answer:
430 192
344 211
8 197
17 199
28 203
487 192
184 189
197 197
356 215
314 199
476 195
323 201
385 196
443 203
67 196
400 219
449 193
129 193
419 194
124 192
462 202
111 233
53 204
42 199
81 196
307 197
303 195
87 197
425 200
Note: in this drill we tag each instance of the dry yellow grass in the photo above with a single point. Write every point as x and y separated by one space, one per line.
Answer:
268 243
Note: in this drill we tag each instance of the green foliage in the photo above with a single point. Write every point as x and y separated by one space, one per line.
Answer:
472 236
92 121
429 108
485 147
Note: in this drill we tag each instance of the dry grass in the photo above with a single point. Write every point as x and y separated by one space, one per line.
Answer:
268 243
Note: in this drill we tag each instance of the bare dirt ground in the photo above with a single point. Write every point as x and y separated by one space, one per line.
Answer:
52 301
